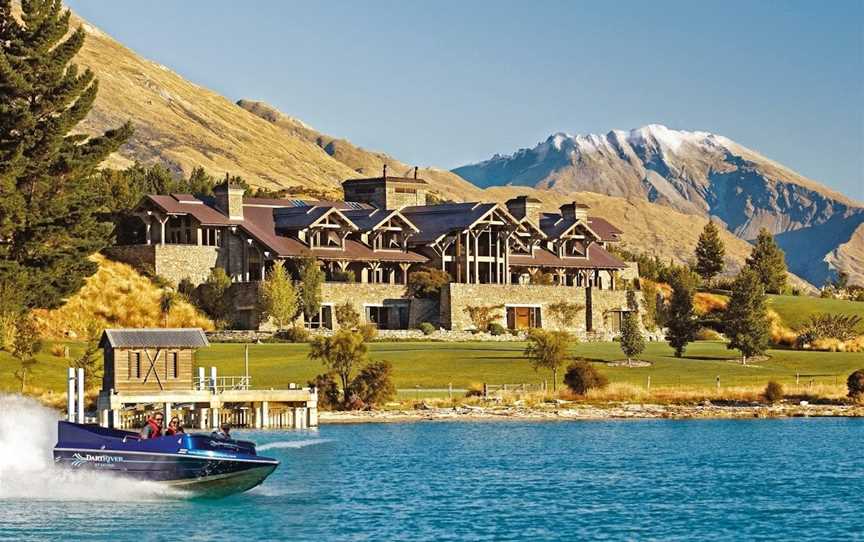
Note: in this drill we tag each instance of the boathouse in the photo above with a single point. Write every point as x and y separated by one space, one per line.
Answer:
155 369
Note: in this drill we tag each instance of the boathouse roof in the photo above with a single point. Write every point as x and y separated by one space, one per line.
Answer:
154 338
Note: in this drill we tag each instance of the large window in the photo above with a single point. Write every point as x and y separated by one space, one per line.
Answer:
322 320
613 320
523 317
388 316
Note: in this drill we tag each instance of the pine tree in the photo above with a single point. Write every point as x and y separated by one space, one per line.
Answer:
709 252
278 296
746 317
632 341
681 317
769 262
49 189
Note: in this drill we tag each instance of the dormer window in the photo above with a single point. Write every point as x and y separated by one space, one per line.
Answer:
387 240
574 248
325 239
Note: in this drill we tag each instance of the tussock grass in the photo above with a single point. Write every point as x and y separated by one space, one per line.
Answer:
707 303
116 296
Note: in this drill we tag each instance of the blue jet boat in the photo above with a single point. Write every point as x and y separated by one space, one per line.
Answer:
199 464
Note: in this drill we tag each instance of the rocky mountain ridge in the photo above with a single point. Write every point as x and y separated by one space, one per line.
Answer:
693 172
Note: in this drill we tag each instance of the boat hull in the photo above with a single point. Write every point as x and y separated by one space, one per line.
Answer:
196 464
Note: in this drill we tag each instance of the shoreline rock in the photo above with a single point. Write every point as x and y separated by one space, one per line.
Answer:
571 412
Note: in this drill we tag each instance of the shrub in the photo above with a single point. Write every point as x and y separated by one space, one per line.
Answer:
368 332
294 334
773 392
373 385
483 315
427 328
58 350
855 384
581 377
496 329
474 390
328 391
427 282
708 334
842 327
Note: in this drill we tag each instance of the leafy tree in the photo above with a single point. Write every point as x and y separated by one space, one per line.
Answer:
277 296
681 317
26 344
769 263
373 385
48 206
709 252
632 341
347 317
745 319
427 282
90 360
548 350
649 300
340 353
311 278
581 377
213 295
11 307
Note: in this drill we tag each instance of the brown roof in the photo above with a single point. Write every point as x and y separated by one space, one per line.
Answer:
598 258
604 228
433 221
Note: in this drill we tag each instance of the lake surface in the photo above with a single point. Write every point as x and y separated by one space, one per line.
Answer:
653 479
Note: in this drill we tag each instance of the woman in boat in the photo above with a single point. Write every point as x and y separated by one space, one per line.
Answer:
174 427
153 427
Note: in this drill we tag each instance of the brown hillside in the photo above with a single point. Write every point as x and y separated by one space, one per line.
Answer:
368 163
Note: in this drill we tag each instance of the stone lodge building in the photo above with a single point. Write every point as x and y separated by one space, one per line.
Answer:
368 244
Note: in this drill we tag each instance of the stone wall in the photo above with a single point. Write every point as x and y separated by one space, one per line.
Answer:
360 294
172 262
457 297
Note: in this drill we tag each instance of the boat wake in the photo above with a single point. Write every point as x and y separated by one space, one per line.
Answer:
28 432
282 444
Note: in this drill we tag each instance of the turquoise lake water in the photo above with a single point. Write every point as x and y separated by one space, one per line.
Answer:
796 479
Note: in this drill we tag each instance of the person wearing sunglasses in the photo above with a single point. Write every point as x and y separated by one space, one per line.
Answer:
153 427
174 427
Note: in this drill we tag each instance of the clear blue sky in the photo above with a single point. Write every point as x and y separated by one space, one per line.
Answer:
445 83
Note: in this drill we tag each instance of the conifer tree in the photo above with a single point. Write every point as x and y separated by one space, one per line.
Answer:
745 319
49 193
681 317
709 252
632 341
769 263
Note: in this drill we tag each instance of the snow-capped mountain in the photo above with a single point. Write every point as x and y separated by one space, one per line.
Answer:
694 172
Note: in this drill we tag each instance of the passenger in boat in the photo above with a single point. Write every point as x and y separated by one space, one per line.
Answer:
174 427
153 427
224 432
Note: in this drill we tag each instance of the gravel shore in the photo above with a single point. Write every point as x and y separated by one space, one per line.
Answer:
617 411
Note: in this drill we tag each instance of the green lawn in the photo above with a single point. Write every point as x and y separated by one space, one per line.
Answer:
435 365
794 310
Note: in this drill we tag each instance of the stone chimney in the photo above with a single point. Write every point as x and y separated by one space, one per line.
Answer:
229 198
525 206
574 211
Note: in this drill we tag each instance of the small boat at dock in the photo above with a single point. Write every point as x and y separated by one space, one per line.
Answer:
200 464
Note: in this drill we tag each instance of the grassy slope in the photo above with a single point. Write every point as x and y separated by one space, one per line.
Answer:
795 310
116 296
434 365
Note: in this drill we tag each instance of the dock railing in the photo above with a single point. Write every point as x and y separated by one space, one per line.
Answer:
223 383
